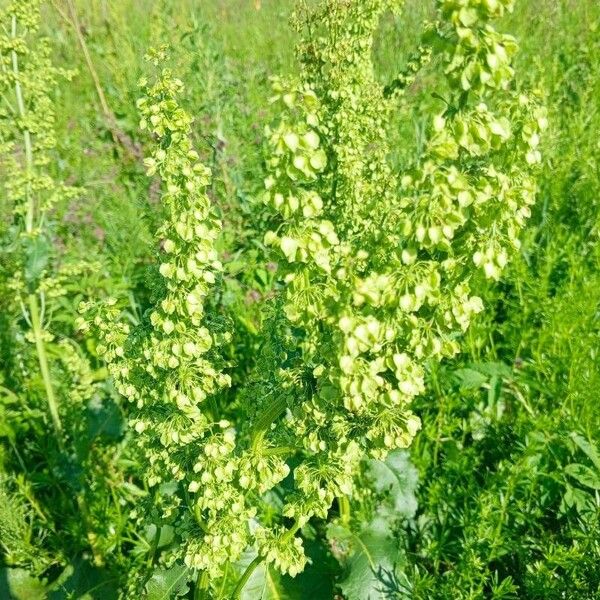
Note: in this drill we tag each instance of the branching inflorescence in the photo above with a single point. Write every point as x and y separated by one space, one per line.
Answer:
378 262
374 284
27 140
48 370
170 367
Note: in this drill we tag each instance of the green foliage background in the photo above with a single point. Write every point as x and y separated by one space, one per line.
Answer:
506 503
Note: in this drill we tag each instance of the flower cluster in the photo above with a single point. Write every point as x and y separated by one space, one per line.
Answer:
27 141
28 76
169 366
375 270
39 282
377 263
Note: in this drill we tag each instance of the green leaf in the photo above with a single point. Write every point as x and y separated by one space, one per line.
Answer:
577 498
167 534
366 557
584 475
82 580
470 379
494 390
104 419
166 584
397 478
494 369
264 584
315 582
19 584
37 252
587 447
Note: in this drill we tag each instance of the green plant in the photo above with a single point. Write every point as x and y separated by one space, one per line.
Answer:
342 310
364 303
49 393
378 262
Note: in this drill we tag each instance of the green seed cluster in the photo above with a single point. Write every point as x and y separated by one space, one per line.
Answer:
377 263
29 111
36 279
169 366
374 283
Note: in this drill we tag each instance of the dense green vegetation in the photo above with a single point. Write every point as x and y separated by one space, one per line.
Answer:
498 496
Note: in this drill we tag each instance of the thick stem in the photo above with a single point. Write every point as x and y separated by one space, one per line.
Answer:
154 548
280 451
291 532
344 506
201 585
243 580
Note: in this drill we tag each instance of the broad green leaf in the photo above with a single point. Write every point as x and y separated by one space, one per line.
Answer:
167 533
588 448
104 419
367 557
584 475
397 478
37 251
19 584
494 369
575 497
264 584
315 582
166 584
84 581
470 379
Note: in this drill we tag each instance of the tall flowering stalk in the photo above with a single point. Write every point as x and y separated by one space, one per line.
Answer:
375 283
27 139
377 263
170 367
38 279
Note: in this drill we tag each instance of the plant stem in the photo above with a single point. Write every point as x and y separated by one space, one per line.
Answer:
279 450
288 535
243 580
272 412
71 18
32 300
43 361
201 585
154 548
74 20
26 133
344 506
223 582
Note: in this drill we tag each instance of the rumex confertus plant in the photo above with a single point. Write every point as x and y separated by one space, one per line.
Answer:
53 464
375 284
27 138
378 261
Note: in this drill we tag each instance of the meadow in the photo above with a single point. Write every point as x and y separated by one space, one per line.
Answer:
240 357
